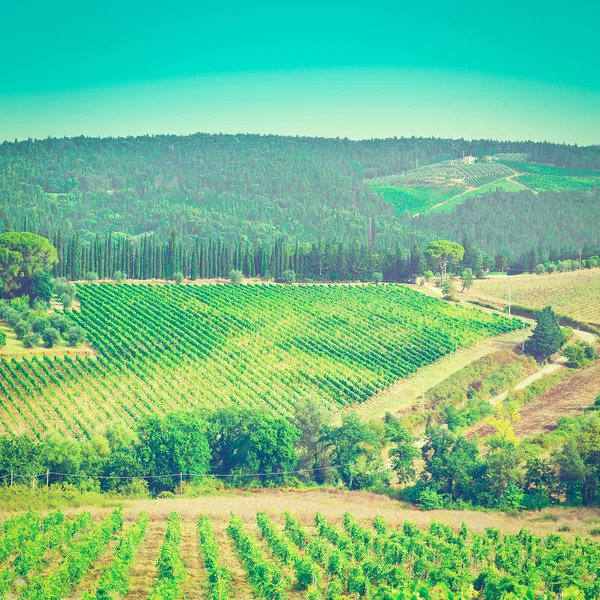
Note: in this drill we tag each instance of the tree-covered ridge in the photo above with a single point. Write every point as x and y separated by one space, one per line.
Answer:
546 226
168 346
222 185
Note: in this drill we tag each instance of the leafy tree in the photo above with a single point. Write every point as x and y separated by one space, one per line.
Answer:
403 452
467 279
444 252
252 441
91 276
236 276
175 443
75 336
452 463
40 324
119 276
59 322
310 418
546 338
289 276
51 337
178 277
22 328
377 276
42 286
22 257
356 448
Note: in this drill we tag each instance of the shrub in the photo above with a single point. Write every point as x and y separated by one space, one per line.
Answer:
40 324
91 276
2 339
236 276
119 276
75 336
51 337
579 354
289 276
178 277
22 328
377 276
430 500
31 339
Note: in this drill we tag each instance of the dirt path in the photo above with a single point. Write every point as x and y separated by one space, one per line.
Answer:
569 397
143 570
229 559
405 394
195 572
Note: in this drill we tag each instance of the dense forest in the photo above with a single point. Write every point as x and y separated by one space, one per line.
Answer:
204 204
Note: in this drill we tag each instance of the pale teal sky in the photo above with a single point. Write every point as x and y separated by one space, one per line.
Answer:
508 71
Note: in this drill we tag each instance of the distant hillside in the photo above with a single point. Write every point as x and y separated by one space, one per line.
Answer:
229 197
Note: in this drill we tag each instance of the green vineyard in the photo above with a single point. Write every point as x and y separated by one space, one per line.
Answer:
118 556
165 347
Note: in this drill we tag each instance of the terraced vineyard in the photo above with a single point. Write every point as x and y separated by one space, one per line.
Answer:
575 294
275 557
161 347
450 173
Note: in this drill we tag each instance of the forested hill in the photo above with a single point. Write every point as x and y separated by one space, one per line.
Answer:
232 199
252 186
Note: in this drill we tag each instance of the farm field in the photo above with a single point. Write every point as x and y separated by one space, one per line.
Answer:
575 294
162 347
192 549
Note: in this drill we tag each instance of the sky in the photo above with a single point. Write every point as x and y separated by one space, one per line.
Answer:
505 70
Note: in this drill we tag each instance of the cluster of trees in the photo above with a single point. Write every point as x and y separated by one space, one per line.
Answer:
36 325
245 447
146 257
507 475
252 447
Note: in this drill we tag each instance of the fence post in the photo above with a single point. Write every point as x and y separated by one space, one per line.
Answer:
181 484
47 477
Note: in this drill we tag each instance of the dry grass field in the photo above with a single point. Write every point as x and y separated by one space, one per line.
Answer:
575 294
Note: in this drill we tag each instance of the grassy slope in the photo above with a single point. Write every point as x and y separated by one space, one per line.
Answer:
415 199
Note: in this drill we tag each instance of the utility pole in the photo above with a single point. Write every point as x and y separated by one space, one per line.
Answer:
11 478
523 336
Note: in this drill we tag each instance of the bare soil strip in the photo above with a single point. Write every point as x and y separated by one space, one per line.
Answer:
143 571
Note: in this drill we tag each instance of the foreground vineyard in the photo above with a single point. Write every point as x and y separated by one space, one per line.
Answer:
274 557
162 347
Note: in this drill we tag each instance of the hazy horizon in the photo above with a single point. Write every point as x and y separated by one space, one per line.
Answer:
328 71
